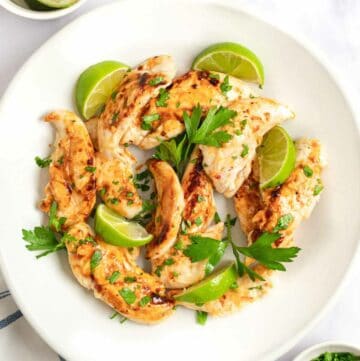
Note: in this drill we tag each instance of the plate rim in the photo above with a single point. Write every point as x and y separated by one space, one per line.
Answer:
316 53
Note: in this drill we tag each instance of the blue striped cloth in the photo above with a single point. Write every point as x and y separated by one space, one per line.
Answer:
17 338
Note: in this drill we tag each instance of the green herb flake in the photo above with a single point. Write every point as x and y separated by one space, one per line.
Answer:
144 301
114 201
225 85
318 188
148 119
198 221
43 162
284 222
114 94
95 260
200 199
60 161
115 314
162 98
308 171
245 151
129 279
114 117
179 245
90 169
156 81
238 132
169 262
234 285
214 76
201 317
128 295
177 105
102 192
114 277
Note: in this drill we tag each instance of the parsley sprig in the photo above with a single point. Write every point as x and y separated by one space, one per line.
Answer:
197 131
48 238
261 251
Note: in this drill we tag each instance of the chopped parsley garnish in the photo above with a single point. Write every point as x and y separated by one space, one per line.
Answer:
115 314
114 201
308 171
60 160
144 301
128 295
177 151
200 199
130 202
162 98
198 221
148 119
115 182
217 218
201 317
179 245
114 277
102 192
169 262
283 222
54 221
245 151
129 194
129 279
90 169
318 188
156 81
114 117
95 260
234 286
225 85
214 76
43 162
114 94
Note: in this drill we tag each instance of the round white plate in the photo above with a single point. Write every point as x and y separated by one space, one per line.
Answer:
68 317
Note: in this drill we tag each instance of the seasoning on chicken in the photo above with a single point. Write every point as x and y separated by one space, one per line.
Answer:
199 208
112 274
229 165
296 197
72 170
187 91
170 205
175 269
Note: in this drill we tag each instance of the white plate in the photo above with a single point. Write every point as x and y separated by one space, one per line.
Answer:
71 320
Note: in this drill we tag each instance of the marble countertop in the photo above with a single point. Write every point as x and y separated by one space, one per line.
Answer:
333 26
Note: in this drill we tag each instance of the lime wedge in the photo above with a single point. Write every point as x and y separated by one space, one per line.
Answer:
276 158
117 230
96 84
49 4
233 59
211 288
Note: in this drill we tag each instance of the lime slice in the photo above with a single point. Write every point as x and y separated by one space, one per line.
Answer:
276 157
233 59
211 288
49 4
96 84
118 231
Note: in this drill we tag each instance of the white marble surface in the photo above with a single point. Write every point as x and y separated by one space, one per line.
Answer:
333 26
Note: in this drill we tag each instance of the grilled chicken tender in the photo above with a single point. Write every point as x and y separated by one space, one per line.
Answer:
118 124
121 121
199 208
71 173
112 274
187 91
170 198
297 196
229 165
180 272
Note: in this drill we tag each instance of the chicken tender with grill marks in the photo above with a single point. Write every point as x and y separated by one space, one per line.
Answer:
114 182
187 91
229 165
170 205
199 208
121 121
71 173
112 274
295 198
175 269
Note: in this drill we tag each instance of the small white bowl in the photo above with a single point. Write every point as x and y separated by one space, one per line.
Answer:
20 8
330 346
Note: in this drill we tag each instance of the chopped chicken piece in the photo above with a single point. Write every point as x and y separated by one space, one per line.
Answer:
199 208
112 274
175 269
72 170
187 91
170 197
229 165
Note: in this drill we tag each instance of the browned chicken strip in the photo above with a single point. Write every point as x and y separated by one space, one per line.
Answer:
112 274
229 165
296 197
72 170
170 198
187 91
